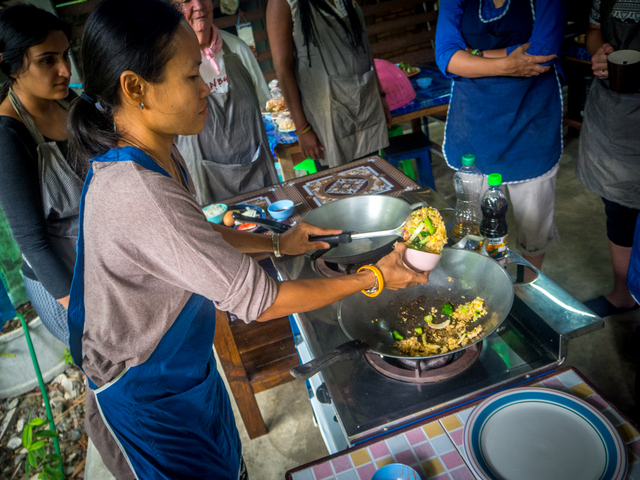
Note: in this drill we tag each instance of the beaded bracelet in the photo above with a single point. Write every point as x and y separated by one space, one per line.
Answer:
306 129
377 288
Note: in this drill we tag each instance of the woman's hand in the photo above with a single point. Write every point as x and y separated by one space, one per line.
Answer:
599 61
396 274
296 240
387 111
521 64
310 145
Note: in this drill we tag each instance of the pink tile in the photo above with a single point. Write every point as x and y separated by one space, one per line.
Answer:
635 447
405 457
451 459
424 451
415 436
322 471
457 436
341 464
597 402
379 450
444 476
462 474
554 383
366 472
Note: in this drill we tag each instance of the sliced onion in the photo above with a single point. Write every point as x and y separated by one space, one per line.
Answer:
416 232
440 326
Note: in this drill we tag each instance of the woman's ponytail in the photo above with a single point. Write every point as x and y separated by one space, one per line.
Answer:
119 35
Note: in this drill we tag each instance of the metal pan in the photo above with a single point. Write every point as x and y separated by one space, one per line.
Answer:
363 213
472 275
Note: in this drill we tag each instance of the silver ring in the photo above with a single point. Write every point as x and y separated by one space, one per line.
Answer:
603 73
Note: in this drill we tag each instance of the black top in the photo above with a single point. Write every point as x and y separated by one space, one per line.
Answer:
21 200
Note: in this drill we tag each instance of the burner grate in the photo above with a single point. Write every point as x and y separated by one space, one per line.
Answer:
428 370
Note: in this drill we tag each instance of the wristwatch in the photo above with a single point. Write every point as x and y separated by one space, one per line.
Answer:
477 52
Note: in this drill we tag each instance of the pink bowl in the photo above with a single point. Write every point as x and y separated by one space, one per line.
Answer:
422 261
395 84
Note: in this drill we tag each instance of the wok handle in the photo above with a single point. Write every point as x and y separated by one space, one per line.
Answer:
347 351
344 237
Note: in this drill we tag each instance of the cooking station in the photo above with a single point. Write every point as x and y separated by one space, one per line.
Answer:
358 399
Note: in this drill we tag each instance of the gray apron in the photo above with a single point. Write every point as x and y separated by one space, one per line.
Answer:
608 160
231 155
339 91
60 188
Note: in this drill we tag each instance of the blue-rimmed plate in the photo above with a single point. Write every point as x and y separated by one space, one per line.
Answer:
241 207
536 433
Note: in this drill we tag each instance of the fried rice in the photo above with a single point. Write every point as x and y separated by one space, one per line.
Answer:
426 231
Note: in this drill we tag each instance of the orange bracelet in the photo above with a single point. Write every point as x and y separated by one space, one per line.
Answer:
377 288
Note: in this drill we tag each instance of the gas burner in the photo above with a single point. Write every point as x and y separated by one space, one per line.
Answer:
425 371
332 269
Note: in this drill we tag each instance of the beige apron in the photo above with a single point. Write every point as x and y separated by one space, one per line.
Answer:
231 155
339 91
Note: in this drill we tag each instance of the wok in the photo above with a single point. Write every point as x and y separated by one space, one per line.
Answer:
472 275
363 213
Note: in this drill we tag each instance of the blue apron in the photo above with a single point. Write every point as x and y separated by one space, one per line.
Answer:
171 416
511 124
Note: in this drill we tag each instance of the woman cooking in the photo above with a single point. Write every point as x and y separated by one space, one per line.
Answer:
506 104
323 60
151 270
231 155
39 189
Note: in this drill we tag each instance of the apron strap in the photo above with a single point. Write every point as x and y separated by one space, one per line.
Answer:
26 119
76 311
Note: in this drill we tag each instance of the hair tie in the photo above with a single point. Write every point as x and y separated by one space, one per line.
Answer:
88 98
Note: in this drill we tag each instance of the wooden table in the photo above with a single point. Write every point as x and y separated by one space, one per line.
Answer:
290 154
258 356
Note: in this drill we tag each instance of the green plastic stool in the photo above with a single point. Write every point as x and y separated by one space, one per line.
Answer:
309 166
405 165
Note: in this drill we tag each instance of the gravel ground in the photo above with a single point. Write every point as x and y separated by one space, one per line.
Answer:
66 395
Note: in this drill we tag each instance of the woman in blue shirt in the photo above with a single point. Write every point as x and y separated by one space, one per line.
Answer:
506 102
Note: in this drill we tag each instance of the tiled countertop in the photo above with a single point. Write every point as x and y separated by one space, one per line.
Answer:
434 447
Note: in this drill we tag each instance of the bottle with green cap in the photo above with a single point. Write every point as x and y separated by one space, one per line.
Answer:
494 218
468 184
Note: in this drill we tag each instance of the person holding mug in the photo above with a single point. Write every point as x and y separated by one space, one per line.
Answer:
151 270
608 160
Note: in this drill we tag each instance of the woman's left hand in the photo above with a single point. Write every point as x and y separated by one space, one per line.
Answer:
387 111
295 241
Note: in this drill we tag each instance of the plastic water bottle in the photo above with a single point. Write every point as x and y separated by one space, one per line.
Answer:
494 218
468 184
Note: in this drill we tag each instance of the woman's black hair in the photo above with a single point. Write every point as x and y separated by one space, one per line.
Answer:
309 33
22 27
119 35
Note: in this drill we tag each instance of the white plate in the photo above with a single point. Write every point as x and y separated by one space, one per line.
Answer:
537 433
288 130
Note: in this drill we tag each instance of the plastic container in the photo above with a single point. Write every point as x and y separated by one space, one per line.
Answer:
468 184
494 218
395 84
396 471
215 212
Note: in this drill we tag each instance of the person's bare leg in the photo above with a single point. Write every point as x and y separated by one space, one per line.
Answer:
620 296
536 261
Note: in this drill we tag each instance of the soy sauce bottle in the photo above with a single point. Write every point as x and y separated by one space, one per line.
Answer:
494 218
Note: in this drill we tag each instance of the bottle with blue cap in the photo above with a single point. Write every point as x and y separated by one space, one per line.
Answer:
494 218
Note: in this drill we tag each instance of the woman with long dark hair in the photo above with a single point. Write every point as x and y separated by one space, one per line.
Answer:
150 267
39 189
325 68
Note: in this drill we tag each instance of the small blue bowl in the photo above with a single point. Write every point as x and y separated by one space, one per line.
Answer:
281 210
396 471
218 217
424 83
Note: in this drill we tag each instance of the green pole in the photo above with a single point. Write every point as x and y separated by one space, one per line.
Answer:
43 388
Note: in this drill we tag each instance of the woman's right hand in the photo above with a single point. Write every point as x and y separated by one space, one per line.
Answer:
396 274
310 145
520 64
599 61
